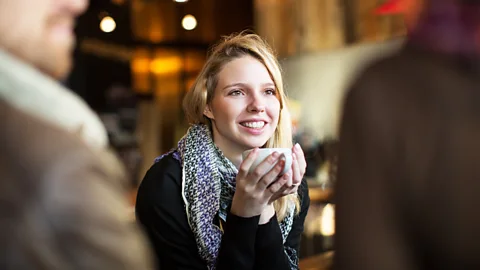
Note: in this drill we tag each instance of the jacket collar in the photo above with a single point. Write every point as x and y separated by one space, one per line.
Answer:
26 88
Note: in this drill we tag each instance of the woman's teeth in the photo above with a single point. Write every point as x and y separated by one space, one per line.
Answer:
253 124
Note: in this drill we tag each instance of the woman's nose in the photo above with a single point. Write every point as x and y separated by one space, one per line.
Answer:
257 104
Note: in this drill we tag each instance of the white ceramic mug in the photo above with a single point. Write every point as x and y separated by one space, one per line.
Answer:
263 153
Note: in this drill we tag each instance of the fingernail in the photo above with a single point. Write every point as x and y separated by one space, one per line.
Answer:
275 154
297 146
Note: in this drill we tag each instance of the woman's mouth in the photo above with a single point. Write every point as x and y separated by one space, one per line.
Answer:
255 124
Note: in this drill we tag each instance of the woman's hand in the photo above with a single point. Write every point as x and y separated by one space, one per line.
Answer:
291 181
255 189
293 178
301 164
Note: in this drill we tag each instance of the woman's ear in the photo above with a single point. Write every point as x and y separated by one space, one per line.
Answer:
208 112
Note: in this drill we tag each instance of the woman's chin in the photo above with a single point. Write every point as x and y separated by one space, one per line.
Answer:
254 142
255 145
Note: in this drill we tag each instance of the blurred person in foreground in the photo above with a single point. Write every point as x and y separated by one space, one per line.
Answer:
61 193
409 169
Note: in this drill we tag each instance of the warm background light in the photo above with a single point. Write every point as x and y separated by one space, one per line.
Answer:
328 221
108 24
189 22
180 1
166 65
118 2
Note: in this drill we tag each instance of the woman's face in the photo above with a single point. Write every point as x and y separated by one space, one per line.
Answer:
245 108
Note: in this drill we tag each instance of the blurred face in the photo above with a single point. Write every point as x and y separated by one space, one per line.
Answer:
245 108
41 32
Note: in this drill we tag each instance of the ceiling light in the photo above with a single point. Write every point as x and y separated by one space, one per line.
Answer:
108 24
189 22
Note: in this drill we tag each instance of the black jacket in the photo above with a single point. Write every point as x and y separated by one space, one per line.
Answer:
245 244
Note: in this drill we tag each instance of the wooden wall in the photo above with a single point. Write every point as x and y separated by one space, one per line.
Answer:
303 26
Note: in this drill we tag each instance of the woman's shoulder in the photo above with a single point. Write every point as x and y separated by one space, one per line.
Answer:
163 177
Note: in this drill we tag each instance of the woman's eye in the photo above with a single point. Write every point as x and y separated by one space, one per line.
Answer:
235 93
270 92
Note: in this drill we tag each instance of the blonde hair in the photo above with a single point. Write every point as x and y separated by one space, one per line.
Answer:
203 90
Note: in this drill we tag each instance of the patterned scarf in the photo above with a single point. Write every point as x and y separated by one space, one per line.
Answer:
208 186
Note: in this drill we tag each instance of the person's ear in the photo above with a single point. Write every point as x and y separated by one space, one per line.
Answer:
208 112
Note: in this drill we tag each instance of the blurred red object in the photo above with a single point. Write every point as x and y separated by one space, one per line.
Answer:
391 7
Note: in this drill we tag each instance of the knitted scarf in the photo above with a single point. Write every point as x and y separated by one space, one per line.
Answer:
208 186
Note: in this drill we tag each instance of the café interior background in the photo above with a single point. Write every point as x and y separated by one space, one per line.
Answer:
136 59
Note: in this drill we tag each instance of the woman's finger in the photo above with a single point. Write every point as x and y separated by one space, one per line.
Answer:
292 190
273 175
297 175
264 168
279 185
302 163
247 164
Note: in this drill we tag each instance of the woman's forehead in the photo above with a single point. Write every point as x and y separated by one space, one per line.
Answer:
246 70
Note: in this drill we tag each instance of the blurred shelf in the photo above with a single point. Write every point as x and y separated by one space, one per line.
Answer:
320 194
318 262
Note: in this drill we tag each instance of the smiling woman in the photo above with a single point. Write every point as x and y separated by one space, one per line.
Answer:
201 205
244 109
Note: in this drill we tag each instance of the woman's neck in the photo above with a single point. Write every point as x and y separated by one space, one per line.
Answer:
234 154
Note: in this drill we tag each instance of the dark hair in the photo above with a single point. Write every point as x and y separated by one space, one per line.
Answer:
470 2
448 26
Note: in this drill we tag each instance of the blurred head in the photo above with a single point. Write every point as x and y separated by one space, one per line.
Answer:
239 94
40 32
450 26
